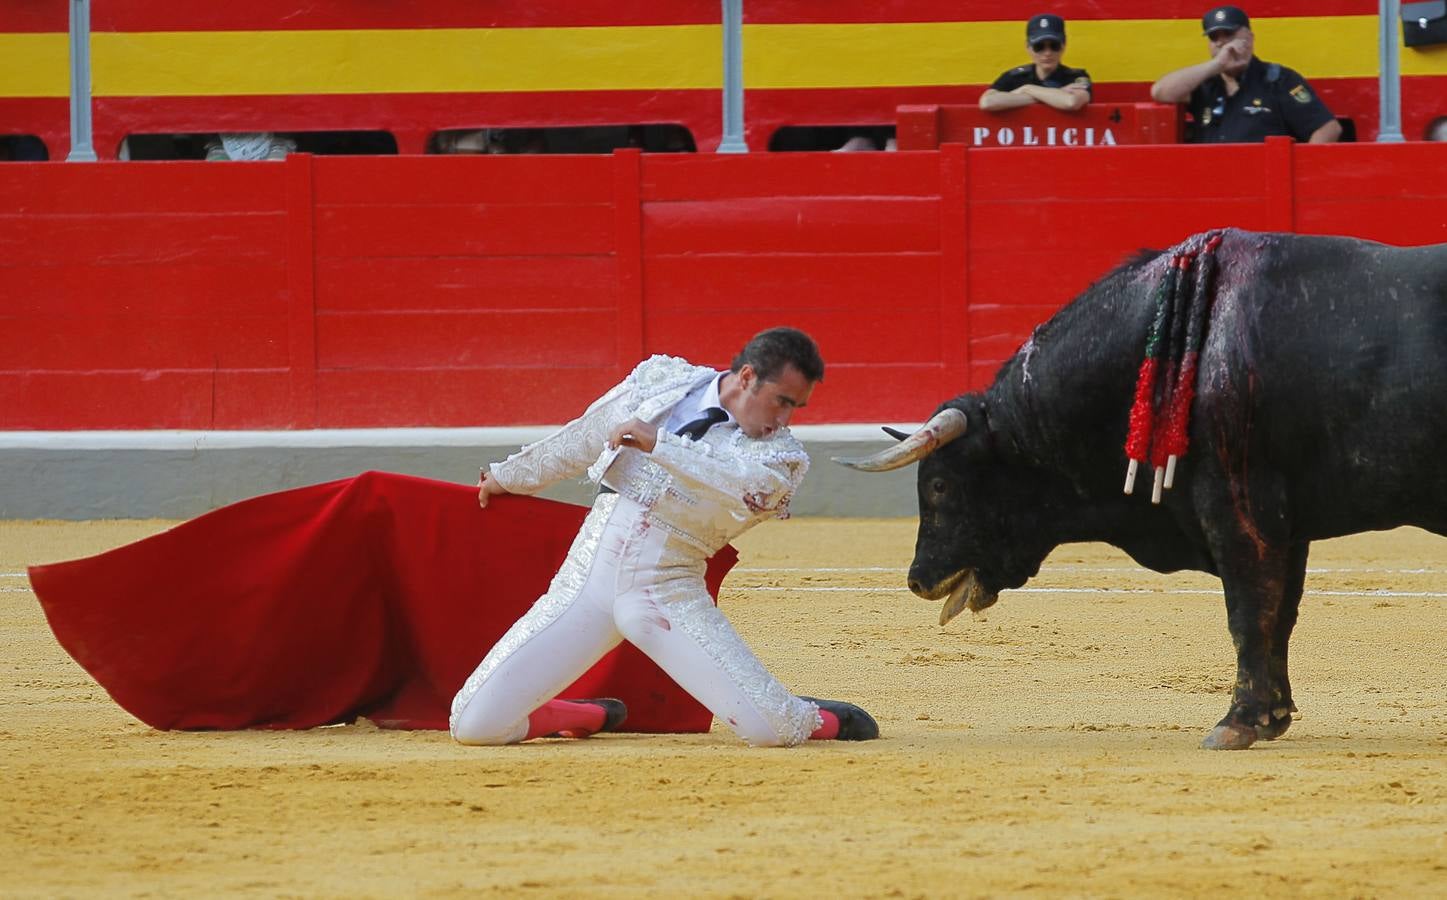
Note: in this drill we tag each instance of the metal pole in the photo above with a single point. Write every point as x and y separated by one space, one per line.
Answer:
1389 130
733 87
81 149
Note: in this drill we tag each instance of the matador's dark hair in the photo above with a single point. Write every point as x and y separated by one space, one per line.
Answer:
770 351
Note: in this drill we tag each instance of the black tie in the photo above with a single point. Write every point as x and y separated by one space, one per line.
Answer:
700 426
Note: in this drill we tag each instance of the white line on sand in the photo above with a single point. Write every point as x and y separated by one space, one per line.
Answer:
1182 591
1073 569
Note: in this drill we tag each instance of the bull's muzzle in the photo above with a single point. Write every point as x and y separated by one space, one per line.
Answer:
962 590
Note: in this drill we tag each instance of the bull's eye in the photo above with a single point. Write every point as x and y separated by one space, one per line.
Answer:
938 487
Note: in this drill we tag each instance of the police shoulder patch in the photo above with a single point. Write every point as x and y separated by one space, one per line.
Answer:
1300 94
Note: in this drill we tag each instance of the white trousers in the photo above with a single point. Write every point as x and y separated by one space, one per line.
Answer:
625 578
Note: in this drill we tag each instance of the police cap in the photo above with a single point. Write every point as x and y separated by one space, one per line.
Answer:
1045 27
1224 18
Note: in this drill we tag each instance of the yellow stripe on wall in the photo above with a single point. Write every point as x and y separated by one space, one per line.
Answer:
35 65
1317 47
407 61
663 57
1424 60
944 53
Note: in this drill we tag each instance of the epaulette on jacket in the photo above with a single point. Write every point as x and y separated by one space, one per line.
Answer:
660 369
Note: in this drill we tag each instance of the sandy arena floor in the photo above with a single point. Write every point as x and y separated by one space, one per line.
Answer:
1047 748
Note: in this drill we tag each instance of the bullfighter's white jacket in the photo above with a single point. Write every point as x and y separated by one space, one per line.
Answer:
705 492
701 494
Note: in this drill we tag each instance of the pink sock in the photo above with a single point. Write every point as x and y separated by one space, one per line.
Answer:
829 730
576 719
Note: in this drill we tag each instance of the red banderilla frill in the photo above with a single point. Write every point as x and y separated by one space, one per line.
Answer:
1177 437
1166 383
1142 411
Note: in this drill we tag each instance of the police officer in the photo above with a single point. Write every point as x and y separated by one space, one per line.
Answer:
1236 98
1044 80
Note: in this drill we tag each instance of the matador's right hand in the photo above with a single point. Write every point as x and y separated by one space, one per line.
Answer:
634 433
487 487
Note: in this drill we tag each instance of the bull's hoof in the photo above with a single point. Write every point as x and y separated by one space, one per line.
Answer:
1229 737
1275 728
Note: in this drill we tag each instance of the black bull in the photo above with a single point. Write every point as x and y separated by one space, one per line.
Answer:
1321 410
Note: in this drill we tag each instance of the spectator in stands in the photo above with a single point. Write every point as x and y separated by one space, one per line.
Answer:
521 140
1236 98
878 138
474 140
249 146
1046 79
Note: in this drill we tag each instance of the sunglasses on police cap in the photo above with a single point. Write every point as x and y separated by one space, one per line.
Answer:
1042 46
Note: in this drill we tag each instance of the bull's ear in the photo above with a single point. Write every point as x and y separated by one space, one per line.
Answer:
895 433
979 443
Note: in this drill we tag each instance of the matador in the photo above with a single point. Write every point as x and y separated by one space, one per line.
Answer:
687 458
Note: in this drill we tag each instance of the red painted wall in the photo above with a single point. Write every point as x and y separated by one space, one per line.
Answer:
502 290
838 98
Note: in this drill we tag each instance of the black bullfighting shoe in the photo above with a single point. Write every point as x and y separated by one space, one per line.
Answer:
854 723
614 712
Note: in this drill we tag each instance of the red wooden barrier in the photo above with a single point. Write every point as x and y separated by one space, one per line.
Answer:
501 290
1096 125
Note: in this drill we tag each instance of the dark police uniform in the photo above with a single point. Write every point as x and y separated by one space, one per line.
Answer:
1063 76
1272 100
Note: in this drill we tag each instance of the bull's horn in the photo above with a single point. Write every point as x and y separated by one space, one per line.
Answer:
932 435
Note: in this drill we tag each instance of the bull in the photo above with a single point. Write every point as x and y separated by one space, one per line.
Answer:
1320 410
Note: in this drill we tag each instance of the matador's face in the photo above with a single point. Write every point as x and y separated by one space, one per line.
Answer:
766 406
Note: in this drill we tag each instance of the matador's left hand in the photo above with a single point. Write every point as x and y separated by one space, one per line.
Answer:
634 433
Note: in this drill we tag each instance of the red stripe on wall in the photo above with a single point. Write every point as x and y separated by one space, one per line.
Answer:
1424 101
176 15
47 118
414 118
29 16
411 118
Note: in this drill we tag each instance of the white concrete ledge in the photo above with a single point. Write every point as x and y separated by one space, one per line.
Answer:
179 474
348 437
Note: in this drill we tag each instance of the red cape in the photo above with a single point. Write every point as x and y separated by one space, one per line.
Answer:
373 596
